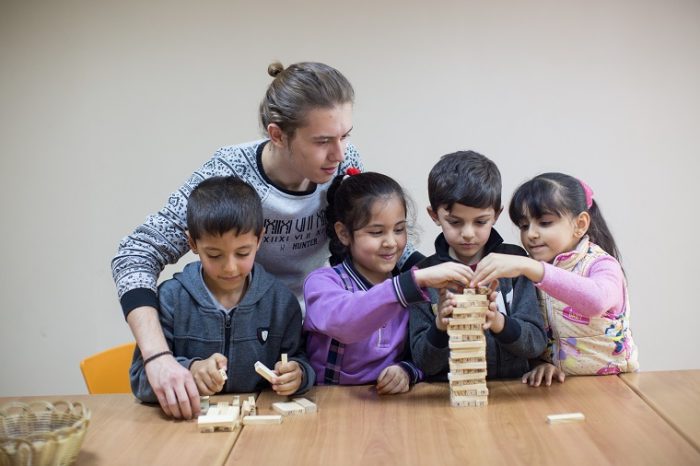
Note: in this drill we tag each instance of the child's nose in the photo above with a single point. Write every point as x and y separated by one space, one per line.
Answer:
467 231
230 265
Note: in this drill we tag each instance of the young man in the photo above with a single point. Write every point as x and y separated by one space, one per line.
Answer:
225 311
464 189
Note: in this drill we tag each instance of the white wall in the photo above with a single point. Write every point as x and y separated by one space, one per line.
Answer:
106 107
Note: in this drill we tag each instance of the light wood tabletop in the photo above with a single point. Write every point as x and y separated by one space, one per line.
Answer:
122 431
355 426
675 395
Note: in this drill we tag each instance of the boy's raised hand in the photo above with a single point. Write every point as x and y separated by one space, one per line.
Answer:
495 266
445 275
289 379
392 380
445 307
207 376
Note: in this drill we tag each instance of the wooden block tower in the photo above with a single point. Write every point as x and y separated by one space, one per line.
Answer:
468 349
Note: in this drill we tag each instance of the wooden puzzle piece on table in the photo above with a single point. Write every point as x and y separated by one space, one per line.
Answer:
467 343
221 416
565 417
308 405
288 408
262 419
295 406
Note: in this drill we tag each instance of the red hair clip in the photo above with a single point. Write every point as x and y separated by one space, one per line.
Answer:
352 171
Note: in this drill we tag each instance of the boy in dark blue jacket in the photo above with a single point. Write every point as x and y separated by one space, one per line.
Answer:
464 189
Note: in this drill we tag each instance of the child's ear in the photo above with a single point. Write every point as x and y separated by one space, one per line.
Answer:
277 136
192 243
581 224
433 215
260 238
343 233
498 214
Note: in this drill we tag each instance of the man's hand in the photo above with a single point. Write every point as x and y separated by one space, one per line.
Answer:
174 387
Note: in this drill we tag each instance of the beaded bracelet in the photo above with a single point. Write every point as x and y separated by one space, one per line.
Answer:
157 355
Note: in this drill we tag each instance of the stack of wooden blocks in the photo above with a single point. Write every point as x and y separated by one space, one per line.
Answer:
468 349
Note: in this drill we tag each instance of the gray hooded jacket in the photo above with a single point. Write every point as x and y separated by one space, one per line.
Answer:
265 324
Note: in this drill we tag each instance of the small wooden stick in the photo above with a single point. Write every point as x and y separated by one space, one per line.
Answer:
565 417
264 371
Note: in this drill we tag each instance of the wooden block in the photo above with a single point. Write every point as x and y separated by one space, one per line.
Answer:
222 371
467 365
465 345
469 401
288 408
204 404
246 409
308 405
222 416
565 417
284 358
253 407
476 389
261 420
481 375
264 371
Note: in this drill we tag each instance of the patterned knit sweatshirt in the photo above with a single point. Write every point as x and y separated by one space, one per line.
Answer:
294 241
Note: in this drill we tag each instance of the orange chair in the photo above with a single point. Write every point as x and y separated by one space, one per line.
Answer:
108 371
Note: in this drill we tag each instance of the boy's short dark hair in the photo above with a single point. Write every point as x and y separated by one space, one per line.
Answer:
467 178
221 204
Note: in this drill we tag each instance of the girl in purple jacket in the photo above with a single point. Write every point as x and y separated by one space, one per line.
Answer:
357 309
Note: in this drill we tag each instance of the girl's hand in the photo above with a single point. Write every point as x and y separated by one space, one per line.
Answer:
445 275
495 266
445 307
544 372
289 379
392 380
206 374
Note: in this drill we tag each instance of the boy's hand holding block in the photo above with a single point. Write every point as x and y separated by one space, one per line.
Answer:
264 371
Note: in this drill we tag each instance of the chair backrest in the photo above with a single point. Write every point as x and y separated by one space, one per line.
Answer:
108 371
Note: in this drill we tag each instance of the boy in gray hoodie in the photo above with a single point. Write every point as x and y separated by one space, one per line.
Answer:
225 311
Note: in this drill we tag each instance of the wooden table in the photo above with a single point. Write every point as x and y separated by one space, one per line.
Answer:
354 426
123 431
675 395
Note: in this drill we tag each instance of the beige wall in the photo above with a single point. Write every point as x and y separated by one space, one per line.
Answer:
106 107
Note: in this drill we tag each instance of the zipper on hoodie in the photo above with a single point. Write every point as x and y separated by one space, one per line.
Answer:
227 341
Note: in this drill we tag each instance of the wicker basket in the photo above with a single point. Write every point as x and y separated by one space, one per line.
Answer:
41 433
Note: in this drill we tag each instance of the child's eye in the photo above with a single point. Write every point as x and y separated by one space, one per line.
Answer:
545 223
243 254
453 222
212 256
523 226
481 222
375 233
400 230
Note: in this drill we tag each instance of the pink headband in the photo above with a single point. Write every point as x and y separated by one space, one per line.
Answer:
589 193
